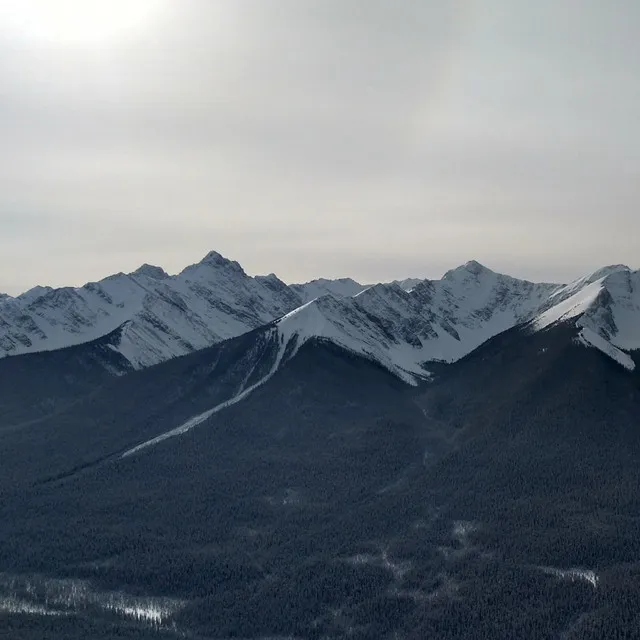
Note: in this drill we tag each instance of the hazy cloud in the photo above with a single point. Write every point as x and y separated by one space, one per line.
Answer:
374 139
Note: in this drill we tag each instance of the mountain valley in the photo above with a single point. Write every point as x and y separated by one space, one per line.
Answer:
211 455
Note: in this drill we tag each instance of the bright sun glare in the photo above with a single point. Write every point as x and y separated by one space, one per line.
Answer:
85 22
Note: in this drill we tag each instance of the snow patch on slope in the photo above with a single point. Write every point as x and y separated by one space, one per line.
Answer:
590 338
573 575
40 595
272 336
570 307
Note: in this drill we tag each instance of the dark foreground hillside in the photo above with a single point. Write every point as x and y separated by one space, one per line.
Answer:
499 501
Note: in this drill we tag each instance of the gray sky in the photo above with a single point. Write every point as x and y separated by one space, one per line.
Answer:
369 138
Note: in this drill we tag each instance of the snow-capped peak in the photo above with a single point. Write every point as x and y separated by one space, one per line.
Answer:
615 313
151 271
603 272
473 267
157 316
215 259
606 304
345 323
408 283
438 320
33 293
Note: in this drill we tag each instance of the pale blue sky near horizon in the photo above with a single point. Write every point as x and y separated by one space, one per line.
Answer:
322 138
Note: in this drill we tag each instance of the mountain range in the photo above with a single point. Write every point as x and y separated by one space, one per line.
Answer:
152 316
214 455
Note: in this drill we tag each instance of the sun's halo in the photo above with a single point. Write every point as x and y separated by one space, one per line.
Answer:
77 22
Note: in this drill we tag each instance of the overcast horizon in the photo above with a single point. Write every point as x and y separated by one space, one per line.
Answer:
378 140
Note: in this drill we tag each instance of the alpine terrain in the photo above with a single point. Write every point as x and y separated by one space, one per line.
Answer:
215 455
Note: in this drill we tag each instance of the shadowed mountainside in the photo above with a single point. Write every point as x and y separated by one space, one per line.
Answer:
499 500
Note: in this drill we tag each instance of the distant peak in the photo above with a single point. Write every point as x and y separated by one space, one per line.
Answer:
472 267
34 292
215 259
607 271
328 281
270 280
409 283
151 271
